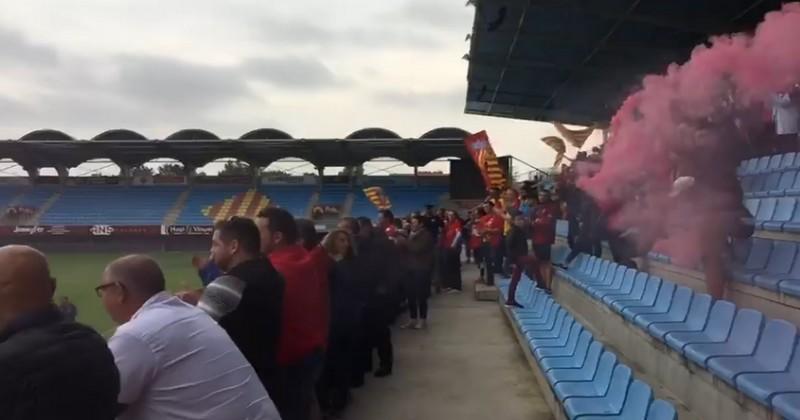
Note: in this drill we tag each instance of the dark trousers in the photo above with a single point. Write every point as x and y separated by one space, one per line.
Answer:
379 316
295 395
489 258
451 268
418 288
334 385
527 263
579 247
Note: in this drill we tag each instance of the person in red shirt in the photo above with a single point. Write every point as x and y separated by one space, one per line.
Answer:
387 225
305 320
450 246
491 230
474 241
544 236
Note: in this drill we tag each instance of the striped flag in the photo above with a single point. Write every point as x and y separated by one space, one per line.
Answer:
378 197
480 149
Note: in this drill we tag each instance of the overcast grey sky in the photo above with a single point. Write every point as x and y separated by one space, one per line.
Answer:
313 68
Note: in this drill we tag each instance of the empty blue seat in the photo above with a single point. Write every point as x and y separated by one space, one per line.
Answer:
648 298
779 266
772 354
606 275
770 184
596 386
695 320
787 162
575 361
636 292
795 189
785 183
752 205
763 164
787 405
583 373
555 332
790 287
635 406
765 211
741 341
552 322
757 184
568 328
661 305
582 338
783 213
756 261
774 163
619 276
625 289
610 404
717 328
763 386
677 312
661 410
752 166
542 319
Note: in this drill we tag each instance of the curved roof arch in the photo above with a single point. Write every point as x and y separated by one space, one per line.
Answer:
266 134
47 135
192 134
120 134
373 133
446 133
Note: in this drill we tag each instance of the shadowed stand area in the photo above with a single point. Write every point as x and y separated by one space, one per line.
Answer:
466 365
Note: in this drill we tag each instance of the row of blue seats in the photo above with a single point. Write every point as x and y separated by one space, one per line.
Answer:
773 184
769 264
766 164
589 381
775 214
758 357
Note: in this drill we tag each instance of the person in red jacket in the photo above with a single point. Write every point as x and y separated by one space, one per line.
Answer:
450 246
491 229
544 236
305 320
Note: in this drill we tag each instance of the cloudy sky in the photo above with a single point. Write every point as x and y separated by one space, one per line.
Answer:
313 68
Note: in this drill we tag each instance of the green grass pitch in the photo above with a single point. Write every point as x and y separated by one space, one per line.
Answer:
77 274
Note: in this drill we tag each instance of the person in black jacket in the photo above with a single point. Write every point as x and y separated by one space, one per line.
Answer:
50 368
247 300
517 248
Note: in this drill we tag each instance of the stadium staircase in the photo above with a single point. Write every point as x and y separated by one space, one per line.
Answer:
172 215
45 206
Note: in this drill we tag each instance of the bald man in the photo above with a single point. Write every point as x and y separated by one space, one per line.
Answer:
174 361
49 367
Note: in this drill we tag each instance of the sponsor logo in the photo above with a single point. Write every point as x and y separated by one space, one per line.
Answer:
58 230
101 230
29 230
179 230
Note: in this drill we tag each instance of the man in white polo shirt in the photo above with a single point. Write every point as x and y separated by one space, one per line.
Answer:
174 361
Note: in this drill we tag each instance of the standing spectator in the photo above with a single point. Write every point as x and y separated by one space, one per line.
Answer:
307 233
475 241
377 262
306 311
491 226
386 224
517 242
786 116
50 368
174 360
68 309
544 236
247 300
450 248
420 247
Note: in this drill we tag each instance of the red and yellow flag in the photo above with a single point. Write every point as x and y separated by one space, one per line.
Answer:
245 204
378 197
480 149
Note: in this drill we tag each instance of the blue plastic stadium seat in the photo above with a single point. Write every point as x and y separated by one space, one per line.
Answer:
660 306
741 341
790 287
752 205
757 184
610 404
661 410
763 386
756 261
795 189
770 184
582 373
549 308
628 281
548 324
636 404
772 354
596 386
779 267
578 337
787 405
783 213
648 298
568 329
555 332
636 292
775 163
747 184
576 361
751 166
785 183
615 287
765 211
717 328
678 310
763 165
695 320
788 161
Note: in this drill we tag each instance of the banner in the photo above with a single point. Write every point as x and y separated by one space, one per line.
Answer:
189 230
378 197
29 230
575 137
480 149
558 145
123 230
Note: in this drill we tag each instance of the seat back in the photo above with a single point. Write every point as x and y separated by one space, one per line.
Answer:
592 355
681 301
776 345
787 161
627 281
771 183
699 311
766 209
751 166
759 254
583 261
582 346
605 370
720 320
618 391
782 257
752 205
574 335
784 209
759 180
661 410
664 299
651 290
600 268
787 180
763 164
775 162
639 282
638 401
746 329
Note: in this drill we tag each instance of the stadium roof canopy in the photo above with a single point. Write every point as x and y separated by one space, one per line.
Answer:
575 61
195 148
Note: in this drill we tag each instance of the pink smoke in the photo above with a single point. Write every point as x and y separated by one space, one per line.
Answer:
695 119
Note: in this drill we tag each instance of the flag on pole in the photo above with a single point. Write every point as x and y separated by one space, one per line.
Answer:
378 197
480 149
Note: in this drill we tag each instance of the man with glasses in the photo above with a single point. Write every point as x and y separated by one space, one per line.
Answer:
174 361
50 367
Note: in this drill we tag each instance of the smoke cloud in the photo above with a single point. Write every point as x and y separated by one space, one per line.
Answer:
698 119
